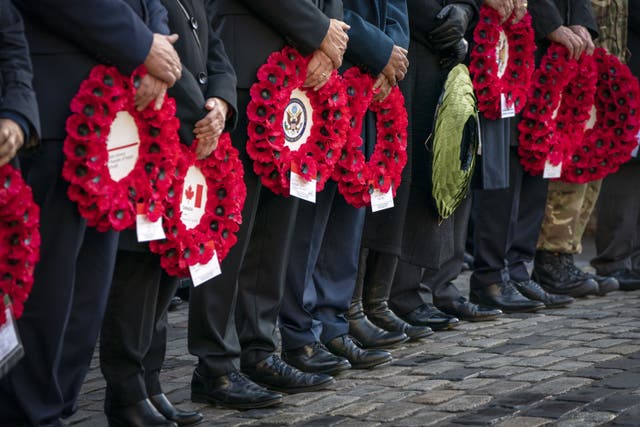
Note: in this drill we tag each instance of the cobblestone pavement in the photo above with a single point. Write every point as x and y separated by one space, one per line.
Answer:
577 366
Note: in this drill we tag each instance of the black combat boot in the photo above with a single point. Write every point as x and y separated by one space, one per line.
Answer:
557 274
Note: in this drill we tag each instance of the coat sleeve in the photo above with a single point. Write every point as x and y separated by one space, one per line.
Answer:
18 96
300 22
397 25
546 17
222 77
369 47
107 29
582 14
158 17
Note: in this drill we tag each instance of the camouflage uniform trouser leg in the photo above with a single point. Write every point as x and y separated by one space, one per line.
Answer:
567 213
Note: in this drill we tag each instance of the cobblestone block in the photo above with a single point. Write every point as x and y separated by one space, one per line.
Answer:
585 419
534 376
436 397
392 411
463 403
559 385
524 422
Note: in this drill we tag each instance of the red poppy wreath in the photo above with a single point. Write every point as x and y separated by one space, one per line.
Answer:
203 209
118 157
19 240
502 62
358 178
560 99
291 127
611 132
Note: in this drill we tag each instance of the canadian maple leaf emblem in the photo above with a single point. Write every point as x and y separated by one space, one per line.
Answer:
189 193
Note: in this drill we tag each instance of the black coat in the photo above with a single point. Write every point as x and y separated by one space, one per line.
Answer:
252 30
68 38
17 96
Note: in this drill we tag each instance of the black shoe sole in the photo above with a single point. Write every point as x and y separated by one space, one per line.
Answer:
295 390
479 319
333 371
580 291
505 309
420 335
371 365
203 398
382 347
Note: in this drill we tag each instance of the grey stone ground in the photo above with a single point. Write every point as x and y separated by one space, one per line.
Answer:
578 366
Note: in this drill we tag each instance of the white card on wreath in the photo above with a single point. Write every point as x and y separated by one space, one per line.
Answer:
147 230
303 189
634 153
508 109
200 273
381 201
9 342
552 171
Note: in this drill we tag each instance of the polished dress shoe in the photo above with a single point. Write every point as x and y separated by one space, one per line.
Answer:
359 358
606 284
140 414
170 412
557 274
275 374
428 315
463 309
629 280
504 296
232 390
534 291
315 358
368 334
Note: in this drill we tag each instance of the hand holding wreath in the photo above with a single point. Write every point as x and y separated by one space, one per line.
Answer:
11 139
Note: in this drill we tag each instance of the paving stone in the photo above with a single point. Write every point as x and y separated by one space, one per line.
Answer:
286 418
392 411
398 380
628 418
496 362
587 394
532 352
596 373
423 418
537 362
553 409
459 374
328 403
620 363
524 422
356 409
329 421
519 400
573 351
501 387
597 357
471 383
463 403
559 385
357 423
393 395
427 385
505 371
485 416
436 368
623 349
534 376
436 397
508 348
624 380
606 343
585 419
569 366
616 403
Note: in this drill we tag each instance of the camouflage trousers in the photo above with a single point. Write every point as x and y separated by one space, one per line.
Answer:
566 215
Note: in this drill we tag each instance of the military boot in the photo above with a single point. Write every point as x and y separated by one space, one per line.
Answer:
557 274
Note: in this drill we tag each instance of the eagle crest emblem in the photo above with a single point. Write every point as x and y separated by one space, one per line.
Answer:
295 120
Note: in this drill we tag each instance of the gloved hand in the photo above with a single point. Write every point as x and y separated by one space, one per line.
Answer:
454 55
456 18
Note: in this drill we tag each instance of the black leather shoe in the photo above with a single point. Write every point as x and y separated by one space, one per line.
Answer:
175 303
534 291
170 412
359 358
232 390
504 296
606 284
368 334
428 315
557 274
628 280
315 358
275 374
463 309
141 414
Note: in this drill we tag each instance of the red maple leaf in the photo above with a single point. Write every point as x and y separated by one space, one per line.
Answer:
189 193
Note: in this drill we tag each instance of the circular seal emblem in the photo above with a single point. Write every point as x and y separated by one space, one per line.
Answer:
294 121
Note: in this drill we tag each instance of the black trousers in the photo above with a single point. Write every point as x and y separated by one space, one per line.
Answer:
134 330
62 317
414 285
618 233
506 226
234 316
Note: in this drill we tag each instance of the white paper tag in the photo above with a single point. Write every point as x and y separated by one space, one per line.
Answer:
302 189
147 230
9 342
479 130
508 109
381 201
123 144
552 171
194 198
200 273
634 153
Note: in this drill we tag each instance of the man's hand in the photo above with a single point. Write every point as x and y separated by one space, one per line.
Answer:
335 41
210 127
11 139
519 10
396 68
319 70
455 55
455 20
150 88
162 60
568 39
381 88
503 7
585 35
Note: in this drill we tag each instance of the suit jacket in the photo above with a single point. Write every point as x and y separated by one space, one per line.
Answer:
17 97
376 26
251 30
68 37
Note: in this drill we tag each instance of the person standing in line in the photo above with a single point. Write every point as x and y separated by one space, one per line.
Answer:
232 318
63 314
134 330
